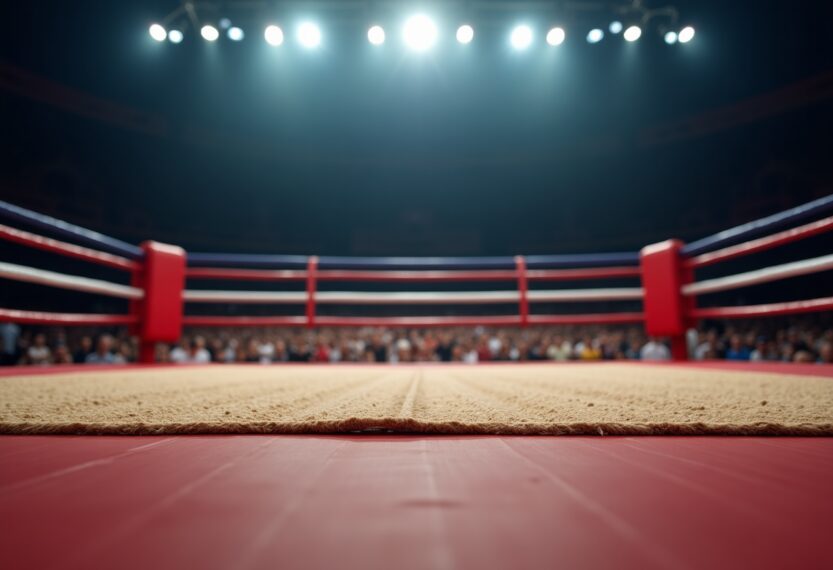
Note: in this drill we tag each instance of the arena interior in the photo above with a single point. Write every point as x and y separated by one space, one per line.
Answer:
382 284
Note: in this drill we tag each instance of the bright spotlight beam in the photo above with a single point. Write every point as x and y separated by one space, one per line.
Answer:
465 34
632 33
209 33
521 37
555 37
420 33
670 37
615 27
594 36
175 36
273 35
235 34
686 35
309 35
157 32
376 35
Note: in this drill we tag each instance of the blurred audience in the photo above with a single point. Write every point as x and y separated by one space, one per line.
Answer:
785 341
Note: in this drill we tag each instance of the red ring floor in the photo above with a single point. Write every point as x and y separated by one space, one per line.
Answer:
412 502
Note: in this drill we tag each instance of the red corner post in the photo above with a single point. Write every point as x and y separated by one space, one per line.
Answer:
162 277
523 298
666 309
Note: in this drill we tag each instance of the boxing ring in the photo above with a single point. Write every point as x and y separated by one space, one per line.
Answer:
161 281
409 501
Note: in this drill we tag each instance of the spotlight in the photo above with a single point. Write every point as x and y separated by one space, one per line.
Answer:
594 36
465 34
670 37
615 27
521 37
235 34
632 33
556 36
225 23
376 35
175 36
309 35
686 35
209 33
157 32
420 33
273 35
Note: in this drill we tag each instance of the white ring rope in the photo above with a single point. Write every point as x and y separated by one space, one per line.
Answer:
611 294
393 298
765 275
288 297
64 281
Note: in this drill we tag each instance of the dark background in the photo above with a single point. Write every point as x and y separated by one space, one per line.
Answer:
468 150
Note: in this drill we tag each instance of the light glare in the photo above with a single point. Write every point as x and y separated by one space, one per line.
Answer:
235 34
273 35
420 33
595 35
670 37
615 27
376 35
556 36
209 33
686 35
521 37
175 36
632 33
309 35
465 34
157 32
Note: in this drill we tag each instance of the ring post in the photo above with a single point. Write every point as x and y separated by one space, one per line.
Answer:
666 309
160 311
312 280
523 298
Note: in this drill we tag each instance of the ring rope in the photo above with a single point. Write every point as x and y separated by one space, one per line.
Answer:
48 318
761 244
70 250
766 310
412 297
759 276
63 281
589 273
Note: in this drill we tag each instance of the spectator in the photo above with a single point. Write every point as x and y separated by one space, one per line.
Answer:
39 353
654 350
9 334
102 354
737 349
84 349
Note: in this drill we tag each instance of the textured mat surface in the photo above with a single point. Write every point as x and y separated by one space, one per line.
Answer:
528 399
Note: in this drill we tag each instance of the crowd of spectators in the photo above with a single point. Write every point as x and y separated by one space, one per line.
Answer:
747 341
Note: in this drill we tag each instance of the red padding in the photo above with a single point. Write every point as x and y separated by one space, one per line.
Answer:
767 310
67 249
761 244
44 318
